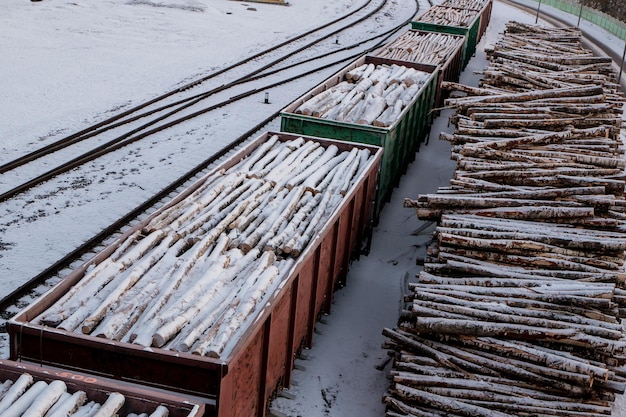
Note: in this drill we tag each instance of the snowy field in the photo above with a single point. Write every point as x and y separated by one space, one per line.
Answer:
67 64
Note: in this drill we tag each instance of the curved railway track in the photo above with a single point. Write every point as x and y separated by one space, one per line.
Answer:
161 113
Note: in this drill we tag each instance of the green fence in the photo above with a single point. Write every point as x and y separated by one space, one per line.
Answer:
594 16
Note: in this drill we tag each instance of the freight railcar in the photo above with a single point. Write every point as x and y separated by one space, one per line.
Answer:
483 7
445 19
28 388
263 300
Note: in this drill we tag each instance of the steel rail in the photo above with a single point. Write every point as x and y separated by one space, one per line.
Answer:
105 125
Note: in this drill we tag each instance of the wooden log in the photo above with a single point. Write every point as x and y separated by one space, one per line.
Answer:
568 383
62 399
111 406
496 303
416 346
589 269
21 404
301 239
597 244
510 403
127 311
160 411
70 405
408 410
21 384
464 313
520 213
4 387
251 159
527 96
250 299
94 279
46 399
495 329
135 274
198 327
194 300
442 403
548 408
197 261
497 385
547 357
174 278
520 296
269 226
375 106
303 212
491 309
511 225
87 410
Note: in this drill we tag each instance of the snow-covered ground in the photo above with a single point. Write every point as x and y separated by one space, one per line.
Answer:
66 64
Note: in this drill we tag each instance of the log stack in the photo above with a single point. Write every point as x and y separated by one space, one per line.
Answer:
466 4
26 397
191 278
429 48
370 94
518 309
448 16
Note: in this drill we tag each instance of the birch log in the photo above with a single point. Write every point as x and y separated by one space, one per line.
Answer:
160 411
46 399
522 282
70 405
113 403
19 407
370 90
15 391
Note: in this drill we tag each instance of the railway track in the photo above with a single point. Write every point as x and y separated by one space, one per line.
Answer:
170 109
185 103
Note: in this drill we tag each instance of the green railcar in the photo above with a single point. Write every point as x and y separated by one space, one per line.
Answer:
469 26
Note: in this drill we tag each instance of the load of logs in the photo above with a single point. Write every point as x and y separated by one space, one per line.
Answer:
26 397
429 48
202 267
518 308
369 95
466 4
448 16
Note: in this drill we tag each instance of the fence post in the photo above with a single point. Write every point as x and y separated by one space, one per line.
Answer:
621 67
537 17
580 13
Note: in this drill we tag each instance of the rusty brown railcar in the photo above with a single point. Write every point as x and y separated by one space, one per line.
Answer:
261 361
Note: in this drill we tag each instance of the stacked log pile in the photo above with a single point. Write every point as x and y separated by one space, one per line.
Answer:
518 308
199 269
369 95
26 397
448 16
429 48
466 4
